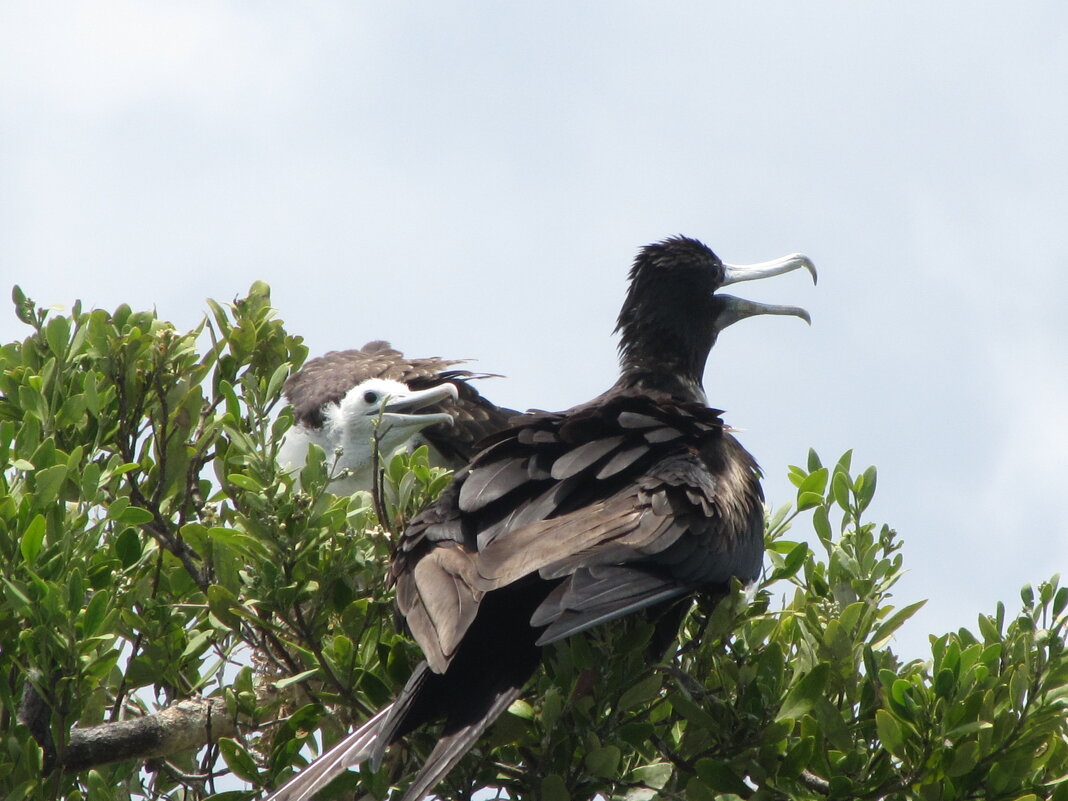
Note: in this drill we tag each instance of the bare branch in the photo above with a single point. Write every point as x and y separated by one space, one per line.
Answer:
182 726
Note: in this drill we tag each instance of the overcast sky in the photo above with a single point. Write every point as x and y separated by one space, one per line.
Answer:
473 180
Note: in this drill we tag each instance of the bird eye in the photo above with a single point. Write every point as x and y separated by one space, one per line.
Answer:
370 397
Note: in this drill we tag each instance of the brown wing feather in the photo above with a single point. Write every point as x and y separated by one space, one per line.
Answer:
439 599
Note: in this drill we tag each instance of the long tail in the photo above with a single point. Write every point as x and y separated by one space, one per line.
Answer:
349 752
454 744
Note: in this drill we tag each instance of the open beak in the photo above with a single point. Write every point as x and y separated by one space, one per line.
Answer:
405 409
733 309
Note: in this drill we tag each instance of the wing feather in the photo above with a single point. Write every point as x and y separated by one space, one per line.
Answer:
578 459
591 596
490 483
439 599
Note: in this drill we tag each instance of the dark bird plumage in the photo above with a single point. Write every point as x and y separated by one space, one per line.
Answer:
336 399
624 504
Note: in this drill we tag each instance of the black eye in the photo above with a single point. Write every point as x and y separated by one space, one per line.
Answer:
370 397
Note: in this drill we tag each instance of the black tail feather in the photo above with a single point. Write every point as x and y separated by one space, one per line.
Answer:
349 752
454 744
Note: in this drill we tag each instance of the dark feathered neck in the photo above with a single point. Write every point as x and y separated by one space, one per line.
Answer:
666 325
680 385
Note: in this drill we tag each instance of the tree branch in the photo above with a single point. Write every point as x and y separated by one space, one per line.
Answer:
814 782
182 726
34 714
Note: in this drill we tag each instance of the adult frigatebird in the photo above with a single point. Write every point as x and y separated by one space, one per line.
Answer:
345 398
566 520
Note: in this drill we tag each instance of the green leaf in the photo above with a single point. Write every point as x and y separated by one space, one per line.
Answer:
24 307
803 695
135 516
233 406
1027 595
1060 601
198 643
128 547
886 630
851 615
238 760
988 629
48 483
243 543
278 377
281 684
945 682
99 789
95 612
821 524
697 790
793 561
14 591
840 490
91 394
655 776
814 462
603 761
864 487
33 539
553 788
57 334
245 482
815 482
718 775
965 758
798 758
645 690
693 712
890 733
222 604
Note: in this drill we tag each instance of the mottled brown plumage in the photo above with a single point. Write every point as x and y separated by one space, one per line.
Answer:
565 520
328 378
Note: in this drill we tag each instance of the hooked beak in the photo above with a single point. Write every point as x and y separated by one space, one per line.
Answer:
405 409
736 273
733 309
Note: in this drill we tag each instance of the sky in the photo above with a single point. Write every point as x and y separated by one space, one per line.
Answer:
473 179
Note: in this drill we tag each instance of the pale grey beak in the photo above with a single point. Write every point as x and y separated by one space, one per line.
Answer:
733 309
395 409
736 273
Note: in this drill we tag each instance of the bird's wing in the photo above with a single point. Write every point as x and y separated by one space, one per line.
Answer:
670 532
439 600
621 481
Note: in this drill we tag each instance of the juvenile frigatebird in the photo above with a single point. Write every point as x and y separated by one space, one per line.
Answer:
345 398
566 520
